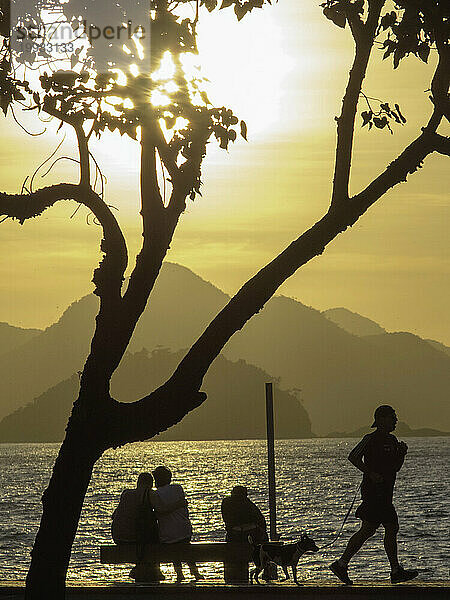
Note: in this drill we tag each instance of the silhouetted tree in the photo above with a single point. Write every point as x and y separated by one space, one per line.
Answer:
89 98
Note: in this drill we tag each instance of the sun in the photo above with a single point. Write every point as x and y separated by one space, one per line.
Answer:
245 63
247 66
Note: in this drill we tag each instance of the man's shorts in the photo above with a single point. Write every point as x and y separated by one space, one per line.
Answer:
377 512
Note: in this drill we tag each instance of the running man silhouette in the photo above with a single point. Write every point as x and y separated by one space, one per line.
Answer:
379 455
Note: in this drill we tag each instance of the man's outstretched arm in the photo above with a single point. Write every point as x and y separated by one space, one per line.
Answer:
163 507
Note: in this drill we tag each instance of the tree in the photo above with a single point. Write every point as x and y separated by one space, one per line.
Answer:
89 98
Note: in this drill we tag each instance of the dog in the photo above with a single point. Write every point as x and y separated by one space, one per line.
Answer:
286 555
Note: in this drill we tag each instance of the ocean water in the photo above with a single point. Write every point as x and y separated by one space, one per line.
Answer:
315 487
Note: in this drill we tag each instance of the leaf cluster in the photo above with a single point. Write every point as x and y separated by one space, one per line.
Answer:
12 89
412 28
383 117
86 95
338 11
241 7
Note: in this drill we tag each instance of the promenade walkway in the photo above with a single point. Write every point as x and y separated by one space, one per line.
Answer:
279 591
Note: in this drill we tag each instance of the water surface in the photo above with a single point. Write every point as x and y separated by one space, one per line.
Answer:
315 487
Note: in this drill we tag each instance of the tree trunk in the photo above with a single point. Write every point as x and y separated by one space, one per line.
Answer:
62 503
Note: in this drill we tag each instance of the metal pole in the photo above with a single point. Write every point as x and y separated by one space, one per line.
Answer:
271 463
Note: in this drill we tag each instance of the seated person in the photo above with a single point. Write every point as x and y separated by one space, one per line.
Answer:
173 523
134 520
243 518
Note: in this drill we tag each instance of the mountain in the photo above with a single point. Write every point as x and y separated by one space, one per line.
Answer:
235 408
342 377
48 357
362 326
402 430
181 306
353 322
439 346
13 337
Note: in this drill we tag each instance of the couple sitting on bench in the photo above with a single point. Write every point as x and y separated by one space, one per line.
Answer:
146 515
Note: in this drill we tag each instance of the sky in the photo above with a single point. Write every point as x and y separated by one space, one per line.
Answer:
282 69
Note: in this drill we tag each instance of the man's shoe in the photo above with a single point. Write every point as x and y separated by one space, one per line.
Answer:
403 575
341 572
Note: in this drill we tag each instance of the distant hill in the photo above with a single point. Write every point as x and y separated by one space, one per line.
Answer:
402 430
61 349
47 358
235 408
13 337
342 376
353 322
361 326
439 346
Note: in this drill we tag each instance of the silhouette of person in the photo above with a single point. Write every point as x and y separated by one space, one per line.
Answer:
134 520
242 517
379 455
173 523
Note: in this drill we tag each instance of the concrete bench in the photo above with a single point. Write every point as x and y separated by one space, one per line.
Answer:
234 556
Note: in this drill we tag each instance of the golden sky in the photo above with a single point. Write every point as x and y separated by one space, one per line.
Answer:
284 71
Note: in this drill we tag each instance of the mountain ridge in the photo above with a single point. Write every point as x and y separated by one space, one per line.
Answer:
343 377
222 416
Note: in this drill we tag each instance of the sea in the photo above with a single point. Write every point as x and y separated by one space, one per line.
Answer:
315 489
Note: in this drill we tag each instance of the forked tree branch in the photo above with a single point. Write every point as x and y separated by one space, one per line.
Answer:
154 228
167 155
159 224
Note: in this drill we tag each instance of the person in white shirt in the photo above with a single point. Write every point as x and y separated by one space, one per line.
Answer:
174 525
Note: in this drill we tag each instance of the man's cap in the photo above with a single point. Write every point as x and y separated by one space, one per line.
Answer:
382 411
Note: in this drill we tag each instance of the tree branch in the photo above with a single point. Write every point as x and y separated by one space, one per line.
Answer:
154 228
355 22
159 224
82 139
142 420
409 161
441 79
180 394
442 144
83 148
108 277
151 201
346 121
166 155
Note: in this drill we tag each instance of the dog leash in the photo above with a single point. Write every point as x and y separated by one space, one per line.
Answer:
343 522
